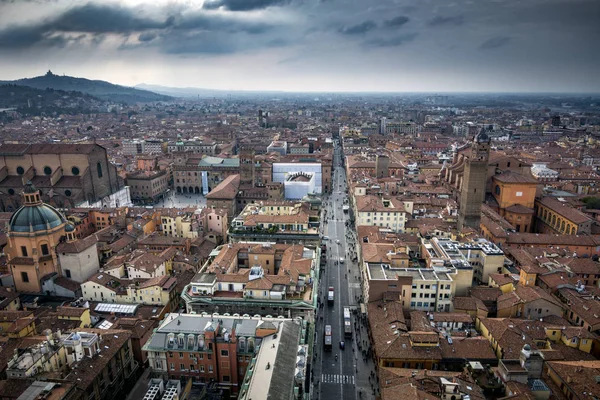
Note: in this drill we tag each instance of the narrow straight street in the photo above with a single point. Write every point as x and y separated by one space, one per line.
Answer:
349 375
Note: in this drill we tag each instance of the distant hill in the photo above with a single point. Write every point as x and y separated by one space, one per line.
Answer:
30 101
101 89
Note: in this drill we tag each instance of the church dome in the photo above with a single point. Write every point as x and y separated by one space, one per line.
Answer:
34 216
69 228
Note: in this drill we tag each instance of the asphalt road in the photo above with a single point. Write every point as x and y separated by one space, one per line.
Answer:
345 377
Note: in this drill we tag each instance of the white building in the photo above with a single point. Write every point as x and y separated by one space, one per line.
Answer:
543 174
141 146
282 171
79 258
378 211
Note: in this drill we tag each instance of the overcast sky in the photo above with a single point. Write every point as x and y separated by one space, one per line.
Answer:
309 45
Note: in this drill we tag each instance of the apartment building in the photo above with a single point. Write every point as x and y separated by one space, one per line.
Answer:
108 289
138 264
379 211
99 362
193 146
425 289
485 257
214 348
255 278
277 220
179 223
141 146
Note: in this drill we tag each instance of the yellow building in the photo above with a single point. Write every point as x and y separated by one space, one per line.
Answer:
505 282
41 357
75 314
34 231
17 324
181 224
515 195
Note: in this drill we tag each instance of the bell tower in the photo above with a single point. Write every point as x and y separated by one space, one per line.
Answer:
472 192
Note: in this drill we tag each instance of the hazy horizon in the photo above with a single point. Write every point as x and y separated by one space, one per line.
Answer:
313 46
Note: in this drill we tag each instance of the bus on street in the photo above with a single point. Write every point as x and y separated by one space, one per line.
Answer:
328 339
347 322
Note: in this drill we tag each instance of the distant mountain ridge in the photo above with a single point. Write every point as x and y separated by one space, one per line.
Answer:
200 92
101 89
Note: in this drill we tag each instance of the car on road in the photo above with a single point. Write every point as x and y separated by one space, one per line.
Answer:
342 260
338 241
342 345
325 237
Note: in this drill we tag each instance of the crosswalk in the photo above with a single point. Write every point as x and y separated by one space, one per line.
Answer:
339 379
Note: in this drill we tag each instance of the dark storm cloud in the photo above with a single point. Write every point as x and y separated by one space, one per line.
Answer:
147 37
359 29
242 5
94 18
23 37
201 21
390 42
495 42
396 22
447 20
89 18
174 33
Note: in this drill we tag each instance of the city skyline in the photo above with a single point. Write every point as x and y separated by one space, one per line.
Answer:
309 46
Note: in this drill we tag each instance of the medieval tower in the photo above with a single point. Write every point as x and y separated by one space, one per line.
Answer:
472 192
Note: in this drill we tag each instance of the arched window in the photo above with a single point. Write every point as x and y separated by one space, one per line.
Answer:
99 168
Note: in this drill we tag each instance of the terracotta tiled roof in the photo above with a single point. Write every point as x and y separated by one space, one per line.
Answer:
227 189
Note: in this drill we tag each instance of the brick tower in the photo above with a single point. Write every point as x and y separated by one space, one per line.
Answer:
472 192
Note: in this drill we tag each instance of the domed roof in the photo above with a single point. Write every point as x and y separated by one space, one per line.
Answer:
35 218
69 228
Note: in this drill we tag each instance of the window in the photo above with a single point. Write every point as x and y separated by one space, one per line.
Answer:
224 353
202 368
412 303
210 369
182 366
75 171
225 378
45 250
20 170
68 193
497 190
68 273
24 277
24 251
180 355
172 367
519 194
47 170
11 191
99 168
